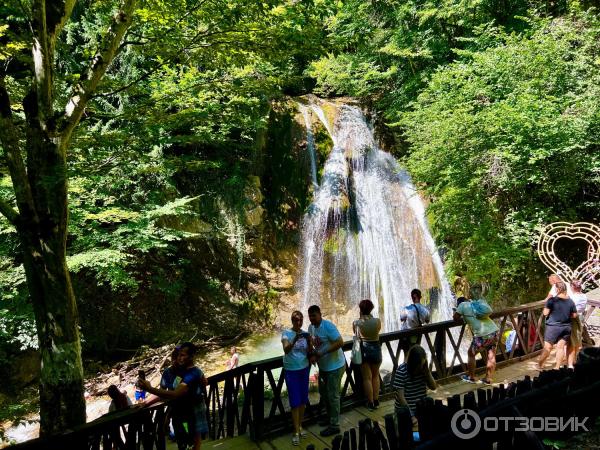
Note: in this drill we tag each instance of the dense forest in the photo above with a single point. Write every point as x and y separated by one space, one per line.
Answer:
186 186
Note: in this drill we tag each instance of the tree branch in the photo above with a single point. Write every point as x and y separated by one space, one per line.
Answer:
48 20
9 212
43 56
175 54
57 14
99 64
9 137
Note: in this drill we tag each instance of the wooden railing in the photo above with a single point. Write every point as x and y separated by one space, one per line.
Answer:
558 396
250 398
130 429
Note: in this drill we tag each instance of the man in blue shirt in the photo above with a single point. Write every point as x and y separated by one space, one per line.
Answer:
328 354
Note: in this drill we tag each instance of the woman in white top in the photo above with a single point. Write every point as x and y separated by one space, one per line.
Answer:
580 300
296 343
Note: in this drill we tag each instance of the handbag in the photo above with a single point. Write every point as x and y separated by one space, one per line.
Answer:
356 348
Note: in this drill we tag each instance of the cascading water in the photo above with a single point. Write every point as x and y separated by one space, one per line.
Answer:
310 145
365 234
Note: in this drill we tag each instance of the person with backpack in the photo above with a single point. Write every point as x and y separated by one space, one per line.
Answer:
413 316
476 314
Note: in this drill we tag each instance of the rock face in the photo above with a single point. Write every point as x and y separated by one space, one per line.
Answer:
253 210
23 370
235 266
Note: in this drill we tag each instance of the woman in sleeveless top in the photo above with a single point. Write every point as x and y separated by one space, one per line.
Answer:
368 328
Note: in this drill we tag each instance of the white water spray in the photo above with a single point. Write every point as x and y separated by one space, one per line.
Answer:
365 234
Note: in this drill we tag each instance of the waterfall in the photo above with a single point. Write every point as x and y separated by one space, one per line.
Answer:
365 235
310 146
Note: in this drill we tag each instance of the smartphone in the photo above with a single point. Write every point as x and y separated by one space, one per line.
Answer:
141 375
304 335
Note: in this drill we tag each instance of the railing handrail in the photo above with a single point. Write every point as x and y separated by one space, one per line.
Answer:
249 379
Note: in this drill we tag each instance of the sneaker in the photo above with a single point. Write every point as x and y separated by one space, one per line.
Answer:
303 433
371 406
468 379
295 439
330 431
486 381
376 403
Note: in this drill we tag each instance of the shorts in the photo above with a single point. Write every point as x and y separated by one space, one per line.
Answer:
371 352
576 332
555 333
487 342
140 395
297 386
200 421
189 423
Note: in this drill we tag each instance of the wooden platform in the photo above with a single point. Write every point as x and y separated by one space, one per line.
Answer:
350 419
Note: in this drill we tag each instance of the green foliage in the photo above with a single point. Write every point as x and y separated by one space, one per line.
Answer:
160 165
387 50
17 326
557 444
505 141
496 103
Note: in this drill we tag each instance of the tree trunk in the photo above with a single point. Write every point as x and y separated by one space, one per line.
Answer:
40 189
62 405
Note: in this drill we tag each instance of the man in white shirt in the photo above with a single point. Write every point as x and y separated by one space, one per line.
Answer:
413 316
328 354
553 279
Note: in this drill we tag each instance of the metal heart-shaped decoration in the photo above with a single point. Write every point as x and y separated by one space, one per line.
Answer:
588 272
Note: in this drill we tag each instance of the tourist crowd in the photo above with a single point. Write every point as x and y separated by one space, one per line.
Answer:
321 345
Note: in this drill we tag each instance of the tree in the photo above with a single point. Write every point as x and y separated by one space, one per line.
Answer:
40 187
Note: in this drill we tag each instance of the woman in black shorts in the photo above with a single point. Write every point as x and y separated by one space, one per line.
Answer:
368 330
559 311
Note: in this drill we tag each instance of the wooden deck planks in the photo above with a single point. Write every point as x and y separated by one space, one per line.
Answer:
350 419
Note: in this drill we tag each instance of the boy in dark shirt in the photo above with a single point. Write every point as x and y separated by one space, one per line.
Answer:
186 391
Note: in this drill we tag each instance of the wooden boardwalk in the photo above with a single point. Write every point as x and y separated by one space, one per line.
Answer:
350 419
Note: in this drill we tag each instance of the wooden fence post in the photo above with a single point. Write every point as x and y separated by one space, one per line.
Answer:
382 443
405 428
454 403
481 398
353 441
230 412
362 434
469 401
258 403
391 431
346 441
440 352
247 405
336 444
